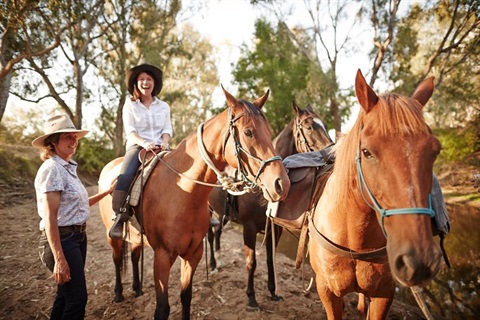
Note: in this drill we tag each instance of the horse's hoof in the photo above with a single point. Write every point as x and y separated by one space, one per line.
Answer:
118 299
138 293
214 271
275 298
253 308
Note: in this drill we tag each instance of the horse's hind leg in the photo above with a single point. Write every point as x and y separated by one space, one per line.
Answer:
136 252
210 237
117 255
270 262
250 239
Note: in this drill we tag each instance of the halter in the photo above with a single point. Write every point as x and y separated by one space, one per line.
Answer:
303 140
223 176
387 212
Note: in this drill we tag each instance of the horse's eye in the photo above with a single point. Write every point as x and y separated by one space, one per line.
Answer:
367 154
248 133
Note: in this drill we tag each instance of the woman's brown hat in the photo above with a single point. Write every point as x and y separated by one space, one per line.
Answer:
157 74
57 124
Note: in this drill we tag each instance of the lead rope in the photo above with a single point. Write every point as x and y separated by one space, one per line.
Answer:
417 293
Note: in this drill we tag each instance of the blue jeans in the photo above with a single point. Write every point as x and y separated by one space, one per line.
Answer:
71 298
129 168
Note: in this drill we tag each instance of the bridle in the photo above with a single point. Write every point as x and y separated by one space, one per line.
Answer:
375 206
301 141
227 182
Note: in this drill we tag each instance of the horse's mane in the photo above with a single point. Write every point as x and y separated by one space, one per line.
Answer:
393 115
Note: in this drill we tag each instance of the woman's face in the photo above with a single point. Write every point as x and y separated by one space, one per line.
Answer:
145 84
66 146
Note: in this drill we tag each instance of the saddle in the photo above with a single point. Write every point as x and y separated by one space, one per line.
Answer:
149 161
308 173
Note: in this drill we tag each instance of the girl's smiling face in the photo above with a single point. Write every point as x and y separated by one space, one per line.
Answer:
66 146
145 83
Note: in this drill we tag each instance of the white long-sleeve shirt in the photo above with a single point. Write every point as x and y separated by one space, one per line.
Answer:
149 124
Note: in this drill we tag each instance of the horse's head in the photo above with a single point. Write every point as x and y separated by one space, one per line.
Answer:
395 155
249 147
310 133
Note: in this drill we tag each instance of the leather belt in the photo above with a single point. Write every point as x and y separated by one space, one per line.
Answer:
80 228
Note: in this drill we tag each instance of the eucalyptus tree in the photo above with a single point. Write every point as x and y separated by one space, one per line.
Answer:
63 71
146 31
442 38
333 26
27 29
274 63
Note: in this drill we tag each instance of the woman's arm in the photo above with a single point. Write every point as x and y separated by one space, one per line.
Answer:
99 196
61 270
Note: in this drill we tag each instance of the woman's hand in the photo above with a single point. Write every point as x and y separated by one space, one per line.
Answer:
147 145
61 271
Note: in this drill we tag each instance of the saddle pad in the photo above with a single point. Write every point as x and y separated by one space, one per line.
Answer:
137 186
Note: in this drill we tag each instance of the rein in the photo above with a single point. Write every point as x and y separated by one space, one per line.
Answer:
386 212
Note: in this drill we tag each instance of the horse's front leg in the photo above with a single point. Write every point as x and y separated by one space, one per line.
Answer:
333 304
270 262
188 268
117 256
136 252
162 263
249 239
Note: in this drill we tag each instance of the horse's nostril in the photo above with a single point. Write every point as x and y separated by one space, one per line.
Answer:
279 186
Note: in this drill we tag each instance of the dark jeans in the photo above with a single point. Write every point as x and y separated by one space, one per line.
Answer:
71 298
129 168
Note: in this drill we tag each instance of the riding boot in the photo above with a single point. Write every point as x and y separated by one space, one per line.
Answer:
119 206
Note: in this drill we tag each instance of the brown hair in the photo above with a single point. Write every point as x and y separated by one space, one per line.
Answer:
48 150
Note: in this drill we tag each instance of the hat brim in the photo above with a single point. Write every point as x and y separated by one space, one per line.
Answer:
40 141
132 75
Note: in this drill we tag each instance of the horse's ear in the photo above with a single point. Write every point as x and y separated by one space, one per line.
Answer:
365 94
424 91
261 101
231 101
296 109
309 108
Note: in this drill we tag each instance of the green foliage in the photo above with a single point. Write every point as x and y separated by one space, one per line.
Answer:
15 166
456 144
275 64
93 155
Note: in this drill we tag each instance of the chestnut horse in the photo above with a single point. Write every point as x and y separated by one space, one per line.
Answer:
174 209
372 223
304 133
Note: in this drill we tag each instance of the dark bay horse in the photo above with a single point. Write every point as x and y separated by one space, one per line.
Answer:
372 225
175 211
304 133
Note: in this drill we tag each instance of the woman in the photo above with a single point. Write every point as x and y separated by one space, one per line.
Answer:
63 206
147 124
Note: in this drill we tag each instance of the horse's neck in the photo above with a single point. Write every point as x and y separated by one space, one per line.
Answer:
284 143
347 221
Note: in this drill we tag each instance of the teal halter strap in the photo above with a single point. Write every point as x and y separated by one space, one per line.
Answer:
387 212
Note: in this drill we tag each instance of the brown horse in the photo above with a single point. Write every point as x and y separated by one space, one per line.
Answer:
305 133
372 223
175 212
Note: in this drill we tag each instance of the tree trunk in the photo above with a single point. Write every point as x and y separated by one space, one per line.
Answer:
4 88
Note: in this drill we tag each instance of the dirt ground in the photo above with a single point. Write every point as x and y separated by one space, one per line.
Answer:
27 290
